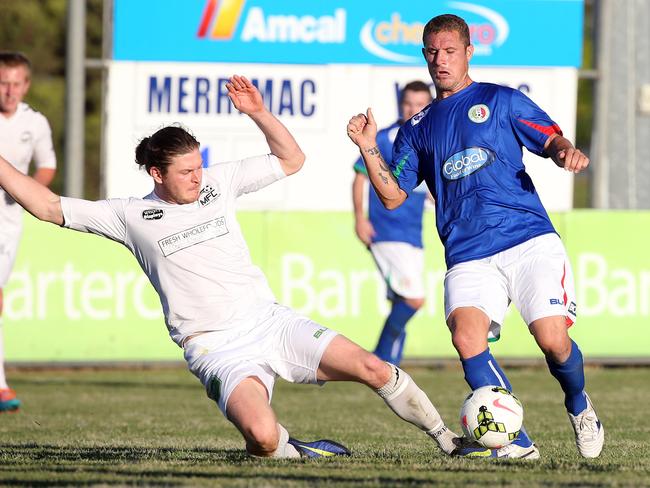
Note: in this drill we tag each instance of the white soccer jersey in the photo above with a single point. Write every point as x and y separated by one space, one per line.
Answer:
24 137
195 254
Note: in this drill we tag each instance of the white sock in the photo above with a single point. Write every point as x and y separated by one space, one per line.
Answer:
3 379
410 403
285 450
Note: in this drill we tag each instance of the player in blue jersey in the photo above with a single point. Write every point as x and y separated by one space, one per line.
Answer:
394 237
500 245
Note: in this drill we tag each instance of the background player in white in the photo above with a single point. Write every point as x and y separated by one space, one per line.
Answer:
218 306
500 245
25 136
394 237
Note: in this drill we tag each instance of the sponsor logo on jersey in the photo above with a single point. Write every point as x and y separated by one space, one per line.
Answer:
556 301
26 137
415 120
466 162
214 389
479 113
194 235
319 332
208 195
573 309
153 214
220 20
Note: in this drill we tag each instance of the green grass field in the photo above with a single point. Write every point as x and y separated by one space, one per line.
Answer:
157 427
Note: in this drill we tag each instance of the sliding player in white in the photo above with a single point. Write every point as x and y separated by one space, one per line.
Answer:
218 306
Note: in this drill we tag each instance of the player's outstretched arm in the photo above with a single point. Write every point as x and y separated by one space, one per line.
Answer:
247 99
362 130
37 199
562 152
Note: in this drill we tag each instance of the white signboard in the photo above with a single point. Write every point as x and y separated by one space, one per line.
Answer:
315 103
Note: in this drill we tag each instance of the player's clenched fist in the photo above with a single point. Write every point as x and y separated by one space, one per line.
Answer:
362 129
574 159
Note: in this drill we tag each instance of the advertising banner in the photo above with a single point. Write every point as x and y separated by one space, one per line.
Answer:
317 63
86 299
315 103
505 33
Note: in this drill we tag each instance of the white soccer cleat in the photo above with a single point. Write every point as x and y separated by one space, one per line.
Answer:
590 434
514 451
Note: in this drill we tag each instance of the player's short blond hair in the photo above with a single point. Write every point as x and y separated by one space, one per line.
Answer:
447 23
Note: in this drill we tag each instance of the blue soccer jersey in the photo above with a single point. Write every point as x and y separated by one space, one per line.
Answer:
468 149
404 224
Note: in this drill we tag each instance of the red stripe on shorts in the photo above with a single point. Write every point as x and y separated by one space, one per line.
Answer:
568 320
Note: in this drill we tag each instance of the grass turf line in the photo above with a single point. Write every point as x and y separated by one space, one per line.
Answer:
157 427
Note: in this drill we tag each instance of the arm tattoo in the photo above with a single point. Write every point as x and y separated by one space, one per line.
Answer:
382 164
374 151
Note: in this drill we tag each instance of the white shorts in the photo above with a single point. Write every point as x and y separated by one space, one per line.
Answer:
279 343
402 266
535 275
8 251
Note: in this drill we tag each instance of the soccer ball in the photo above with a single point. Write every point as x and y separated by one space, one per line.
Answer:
491 416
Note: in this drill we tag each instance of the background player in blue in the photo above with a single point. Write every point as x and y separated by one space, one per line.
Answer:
500 245
394 237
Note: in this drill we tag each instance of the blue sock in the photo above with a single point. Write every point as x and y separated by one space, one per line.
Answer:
571 376
389 348
400 347
483 370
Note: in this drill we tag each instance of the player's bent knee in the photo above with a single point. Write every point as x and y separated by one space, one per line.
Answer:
376 371
466 343
557 350
416 303
555 345
262 439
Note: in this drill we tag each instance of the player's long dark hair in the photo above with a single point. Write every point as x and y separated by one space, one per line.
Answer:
162 146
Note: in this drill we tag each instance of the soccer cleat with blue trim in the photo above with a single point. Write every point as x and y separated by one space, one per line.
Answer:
8 400
472 449
321 448
468 448
590 434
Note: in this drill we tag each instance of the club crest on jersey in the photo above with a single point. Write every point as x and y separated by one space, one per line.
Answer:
26 137
153 214
208 195
479 113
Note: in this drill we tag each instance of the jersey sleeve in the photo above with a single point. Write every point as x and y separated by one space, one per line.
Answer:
531 124
405 161
360 167
250 174
104 217
44 155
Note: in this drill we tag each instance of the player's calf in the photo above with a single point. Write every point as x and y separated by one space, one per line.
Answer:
410 403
